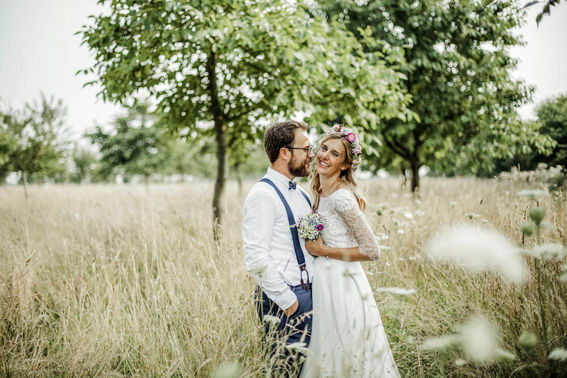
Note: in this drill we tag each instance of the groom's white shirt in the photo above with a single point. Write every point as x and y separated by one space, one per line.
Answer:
268 246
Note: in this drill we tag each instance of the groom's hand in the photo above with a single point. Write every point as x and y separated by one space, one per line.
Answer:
292 309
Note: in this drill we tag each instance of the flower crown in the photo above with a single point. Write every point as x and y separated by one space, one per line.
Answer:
355 147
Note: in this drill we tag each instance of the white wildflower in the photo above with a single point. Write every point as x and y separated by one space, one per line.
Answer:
420 213
460 362
441 343
478 249
298 347
527 339
549 250
452 204
381 236
479 340
532 193
401 231
227 370
408 215
502 354
270 319
559 354
395 290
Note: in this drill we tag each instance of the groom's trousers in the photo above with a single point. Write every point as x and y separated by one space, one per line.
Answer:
289 330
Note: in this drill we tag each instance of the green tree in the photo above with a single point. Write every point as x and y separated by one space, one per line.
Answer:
85 165
552 115
31 141
136 145
458 74
218 67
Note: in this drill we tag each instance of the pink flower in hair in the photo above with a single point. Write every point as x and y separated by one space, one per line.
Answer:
351 137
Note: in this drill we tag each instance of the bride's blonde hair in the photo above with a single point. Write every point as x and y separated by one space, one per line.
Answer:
346 176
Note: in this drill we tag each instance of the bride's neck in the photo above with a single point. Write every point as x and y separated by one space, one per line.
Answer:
329 184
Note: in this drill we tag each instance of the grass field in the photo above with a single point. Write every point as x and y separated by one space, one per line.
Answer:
112 280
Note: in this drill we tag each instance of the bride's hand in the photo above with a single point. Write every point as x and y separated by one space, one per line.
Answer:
315 247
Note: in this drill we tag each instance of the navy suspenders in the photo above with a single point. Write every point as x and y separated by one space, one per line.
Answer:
293 229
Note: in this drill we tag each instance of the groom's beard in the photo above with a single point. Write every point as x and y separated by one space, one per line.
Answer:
298 169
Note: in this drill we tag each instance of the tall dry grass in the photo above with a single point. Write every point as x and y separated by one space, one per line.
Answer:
128 280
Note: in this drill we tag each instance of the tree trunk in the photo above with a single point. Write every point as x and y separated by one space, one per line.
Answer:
414 175
220 138
25 182
404 177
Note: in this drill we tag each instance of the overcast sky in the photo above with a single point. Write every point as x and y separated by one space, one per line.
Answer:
40 53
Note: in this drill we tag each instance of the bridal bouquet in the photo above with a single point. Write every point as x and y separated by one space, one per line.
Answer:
310 226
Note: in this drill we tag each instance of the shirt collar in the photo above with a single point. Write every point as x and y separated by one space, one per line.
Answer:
278 177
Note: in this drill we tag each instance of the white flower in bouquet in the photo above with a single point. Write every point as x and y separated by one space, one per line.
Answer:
310 226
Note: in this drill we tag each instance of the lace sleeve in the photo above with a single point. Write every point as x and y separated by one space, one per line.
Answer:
347 209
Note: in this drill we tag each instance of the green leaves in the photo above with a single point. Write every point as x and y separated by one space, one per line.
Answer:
457 71
31 139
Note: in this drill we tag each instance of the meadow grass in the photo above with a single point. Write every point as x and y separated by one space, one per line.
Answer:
111 280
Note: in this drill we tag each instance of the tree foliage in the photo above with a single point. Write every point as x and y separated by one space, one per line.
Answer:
31 141
552 114
217 68
545 10
136 145
458 74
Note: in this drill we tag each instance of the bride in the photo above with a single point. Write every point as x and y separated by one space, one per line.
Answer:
348 337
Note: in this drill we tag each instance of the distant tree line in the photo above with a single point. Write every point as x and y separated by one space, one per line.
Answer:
33 145
426 83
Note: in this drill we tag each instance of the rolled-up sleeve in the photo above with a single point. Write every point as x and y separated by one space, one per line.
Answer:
259 216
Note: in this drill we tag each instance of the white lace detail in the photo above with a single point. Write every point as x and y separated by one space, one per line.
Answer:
346 226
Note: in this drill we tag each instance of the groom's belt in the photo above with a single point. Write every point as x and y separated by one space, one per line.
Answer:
305 285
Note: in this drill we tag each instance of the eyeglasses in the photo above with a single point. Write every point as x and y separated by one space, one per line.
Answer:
307 150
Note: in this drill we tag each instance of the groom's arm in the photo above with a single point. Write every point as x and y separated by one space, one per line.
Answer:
258 221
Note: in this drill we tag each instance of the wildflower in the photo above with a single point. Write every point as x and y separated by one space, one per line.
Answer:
226 370
478 249
440 343
537 214
549 250
273 320
527 339
298 347
528 228
479 340
395 290
559 354
351 137
460 362
532 193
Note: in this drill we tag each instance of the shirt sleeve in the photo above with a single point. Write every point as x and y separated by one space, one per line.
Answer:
348 210
257 226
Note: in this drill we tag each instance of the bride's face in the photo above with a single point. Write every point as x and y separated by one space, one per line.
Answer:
331 158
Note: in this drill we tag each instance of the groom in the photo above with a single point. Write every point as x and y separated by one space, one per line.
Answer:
273 253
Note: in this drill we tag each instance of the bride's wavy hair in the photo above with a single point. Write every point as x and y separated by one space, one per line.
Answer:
346 176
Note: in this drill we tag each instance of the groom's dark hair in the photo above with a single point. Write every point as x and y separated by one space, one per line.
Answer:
279 135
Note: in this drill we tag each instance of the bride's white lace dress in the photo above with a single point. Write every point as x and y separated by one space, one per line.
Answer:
348 338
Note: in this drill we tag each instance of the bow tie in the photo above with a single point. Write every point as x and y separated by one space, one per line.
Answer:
292 185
